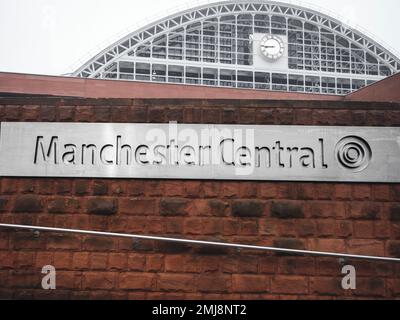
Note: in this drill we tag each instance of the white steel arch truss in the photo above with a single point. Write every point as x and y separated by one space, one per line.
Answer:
128 45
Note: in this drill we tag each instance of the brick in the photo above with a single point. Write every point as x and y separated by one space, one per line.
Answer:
154 263
100 188
211 189
156 115
48 113
394 248
172 248
326 286
382 230
289 243
62 260
265 116
193 226
44 259
230 189
119 113
143 245
324 191
267 265
135 188
98 243
192 189
344 229
99 280
63 241
362 192
174 189
8 186
382 192
136 262
84 114
286 210
296 265
364 210
230 115
173 207
174 225
66 113
250 283
248 208
175 263
306 228
364 229
63 186
370 287
138 206
101 114
366 247
211 115
208 264
247 264
175 282
343 192
12 113
27 240
30 113
394 287
213 283
6 259
395 212
81 261
247 227
325 209
25 260
326 228
138 114
62 205
328 245
154 188
28 203
117 188
81 187
137 281
102 206
284 116
266 191
27 186
117 261
98 261
289 285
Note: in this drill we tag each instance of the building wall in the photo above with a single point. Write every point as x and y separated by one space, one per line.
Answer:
354 218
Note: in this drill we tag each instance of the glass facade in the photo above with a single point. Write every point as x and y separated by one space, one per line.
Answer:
220 51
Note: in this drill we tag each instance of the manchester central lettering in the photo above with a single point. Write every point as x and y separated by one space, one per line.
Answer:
277 154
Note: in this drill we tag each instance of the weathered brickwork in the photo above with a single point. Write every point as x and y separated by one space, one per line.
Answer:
353 218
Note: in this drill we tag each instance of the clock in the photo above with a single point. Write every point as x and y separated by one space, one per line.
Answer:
272 47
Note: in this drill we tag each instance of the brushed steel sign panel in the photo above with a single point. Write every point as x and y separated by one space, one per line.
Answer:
199 151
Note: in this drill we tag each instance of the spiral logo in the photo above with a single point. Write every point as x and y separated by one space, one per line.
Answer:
353 153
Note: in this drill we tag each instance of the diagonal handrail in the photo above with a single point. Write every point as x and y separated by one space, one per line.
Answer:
200 242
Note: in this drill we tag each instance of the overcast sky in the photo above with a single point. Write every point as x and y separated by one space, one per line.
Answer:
51 36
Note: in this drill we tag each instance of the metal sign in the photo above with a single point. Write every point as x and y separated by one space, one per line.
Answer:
199 151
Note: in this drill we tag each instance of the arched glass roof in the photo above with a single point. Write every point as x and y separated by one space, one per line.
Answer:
225 44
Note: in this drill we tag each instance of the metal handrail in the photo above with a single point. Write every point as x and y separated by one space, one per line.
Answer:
200 242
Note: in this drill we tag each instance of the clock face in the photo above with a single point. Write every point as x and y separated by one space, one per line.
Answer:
272 47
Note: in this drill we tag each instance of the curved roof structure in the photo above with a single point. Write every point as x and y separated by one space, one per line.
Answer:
255 44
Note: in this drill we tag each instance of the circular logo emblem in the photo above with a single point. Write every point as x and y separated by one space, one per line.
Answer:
353 153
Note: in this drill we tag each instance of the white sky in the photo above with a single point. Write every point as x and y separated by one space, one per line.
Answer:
51 36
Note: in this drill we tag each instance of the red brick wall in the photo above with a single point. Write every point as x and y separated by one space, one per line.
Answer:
354 218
